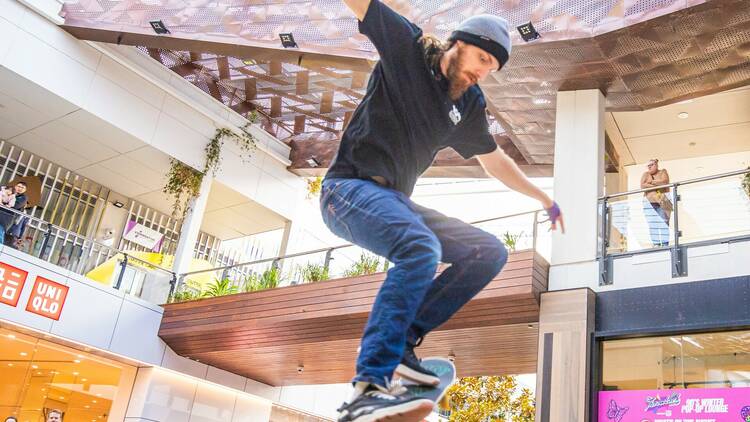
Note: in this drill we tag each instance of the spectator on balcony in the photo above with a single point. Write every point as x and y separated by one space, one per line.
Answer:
54 415
658 209
7 218
11 419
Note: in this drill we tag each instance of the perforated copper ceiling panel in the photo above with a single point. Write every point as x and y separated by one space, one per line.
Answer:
641 53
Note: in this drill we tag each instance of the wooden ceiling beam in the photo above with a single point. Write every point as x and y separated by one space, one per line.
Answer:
326 102
299 123
302 82
275 106
222 63
251 89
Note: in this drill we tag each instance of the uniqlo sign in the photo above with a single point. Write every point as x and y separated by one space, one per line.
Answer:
12 280
47 298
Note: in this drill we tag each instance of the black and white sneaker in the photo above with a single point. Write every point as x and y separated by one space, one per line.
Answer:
372 403
411 368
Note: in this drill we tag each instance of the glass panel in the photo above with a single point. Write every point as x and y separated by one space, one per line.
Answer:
713 209
635 224
713 360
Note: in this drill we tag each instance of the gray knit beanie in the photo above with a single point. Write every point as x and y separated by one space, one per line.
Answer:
488 32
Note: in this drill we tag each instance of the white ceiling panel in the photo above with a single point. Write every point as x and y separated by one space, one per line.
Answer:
102 132
114 181
157 200
222 196
50 151
128 168
151 158
75 142
33 95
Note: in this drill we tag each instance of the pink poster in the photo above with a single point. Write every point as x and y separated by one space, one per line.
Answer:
691 405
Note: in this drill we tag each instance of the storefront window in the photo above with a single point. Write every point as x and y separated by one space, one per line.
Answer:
714 360
38 377
689 378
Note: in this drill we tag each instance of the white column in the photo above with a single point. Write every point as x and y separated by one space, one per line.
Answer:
578 175
191 226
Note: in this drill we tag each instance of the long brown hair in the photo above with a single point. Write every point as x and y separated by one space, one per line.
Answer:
434 48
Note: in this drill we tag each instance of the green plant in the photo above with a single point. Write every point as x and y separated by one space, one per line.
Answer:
746 183
313 186
221 287
314 272
367 264
184 182
269 279
511 240
186 292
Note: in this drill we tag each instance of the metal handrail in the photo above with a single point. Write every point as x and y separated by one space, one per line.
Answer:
677 249
676 184
75 235
333 248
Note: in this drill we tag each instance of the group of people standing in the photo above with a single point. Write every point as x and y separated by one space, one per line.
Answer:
12 224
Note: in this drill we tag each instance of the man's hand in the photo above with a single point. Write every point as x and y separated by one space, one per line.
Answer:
358 7
555 216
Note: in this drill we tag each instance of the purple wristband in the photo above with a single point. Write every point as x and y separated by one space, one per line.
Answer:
553 212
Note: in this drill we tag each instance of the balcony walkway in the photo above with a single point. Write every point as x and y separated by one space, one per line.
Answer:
266 335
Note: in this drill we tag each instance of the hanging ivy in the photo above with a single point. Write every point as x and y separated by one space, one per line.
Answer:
746 183
184 182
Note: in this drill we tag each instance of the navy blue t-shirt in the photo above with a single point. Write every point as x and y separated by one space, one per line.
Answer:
406 116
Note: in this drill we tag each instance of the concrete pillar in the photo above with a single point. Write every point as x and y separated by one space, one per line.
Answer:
191 226
578 174
566 326
284 247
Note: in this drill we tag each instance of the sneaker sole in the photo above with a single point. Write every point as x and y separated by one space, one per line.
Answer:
414 411
412 375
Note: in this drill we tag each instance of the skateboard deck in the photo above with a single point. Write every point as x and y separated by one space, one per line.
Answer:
444 369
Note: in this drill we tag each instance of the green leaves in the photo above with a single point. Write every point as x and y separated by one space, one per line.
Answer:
221 287
367 264
269 279
314 272
184 182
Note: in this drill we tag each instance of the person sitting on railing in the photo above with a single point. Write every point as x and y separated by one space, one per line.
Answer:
659 202
18 194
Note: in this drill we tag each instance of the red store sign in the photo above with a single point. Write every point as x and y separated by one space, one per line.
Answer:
12 280
47 298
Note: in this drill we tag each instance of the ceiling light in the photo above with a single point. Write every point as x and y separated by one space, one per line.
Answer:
39 373
683 115
539 101
11 336
528 33
159 27
675 341
24 354
84 379
10 364
287 40
75 373
93 401
118 204
34 366
76 361
87 406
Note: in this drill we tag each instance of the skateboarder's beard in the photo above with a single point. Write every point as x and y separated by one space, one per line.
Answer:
458 79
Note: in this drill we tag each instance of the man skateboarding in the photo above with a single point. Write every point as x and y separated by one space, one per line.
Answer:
422 97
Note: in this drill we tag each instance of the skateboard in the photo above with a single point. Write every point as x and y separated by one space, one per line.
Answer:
444 369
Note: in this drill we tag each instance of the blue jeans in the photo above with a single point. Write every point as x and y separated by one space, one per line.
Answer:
658 224
411 302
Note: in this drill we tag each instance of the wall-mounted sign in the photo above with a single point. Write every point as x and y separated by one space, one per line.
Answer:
144 236
12 280
694 404
47 298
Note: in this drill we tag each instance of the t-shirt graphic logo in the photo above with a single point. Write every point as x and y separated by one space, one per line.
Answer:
455 115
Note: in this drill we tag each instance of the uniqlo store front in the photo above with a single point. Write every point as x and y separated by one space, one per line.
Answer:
39 377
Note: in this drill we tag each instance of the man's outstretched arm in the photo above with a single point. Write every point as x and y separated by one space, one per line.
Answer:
358 7
498 165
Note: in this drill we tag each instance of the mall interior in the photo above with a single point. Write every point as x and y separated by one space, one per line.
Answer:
234 302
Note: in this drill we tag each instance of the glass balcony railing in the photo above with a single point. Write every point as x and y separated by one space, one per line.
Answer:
123 271
707 210
518 232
